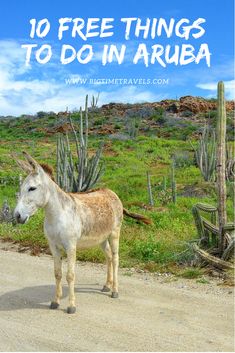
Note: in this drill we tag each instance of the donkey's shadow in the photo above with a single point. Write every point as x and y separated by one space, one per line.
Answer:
39 297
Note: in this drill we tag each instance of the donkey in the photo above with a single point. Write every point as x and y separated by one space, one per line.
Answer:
73 220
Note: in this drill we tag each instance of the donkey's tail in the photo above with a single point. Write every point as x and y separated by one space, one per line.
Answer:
137 216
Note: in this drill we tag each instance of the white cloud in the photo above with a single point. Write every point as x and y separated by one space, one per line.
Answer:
131 94
212 87
22 93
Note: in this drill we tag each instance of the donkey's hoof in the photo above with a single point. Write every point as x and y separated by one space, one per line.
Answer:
105 289
54 305
71 309
114 295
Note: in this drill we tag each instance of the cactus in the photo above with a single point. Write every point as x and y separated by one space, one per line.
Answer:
64 164
230 163
132 126
83 175
94 101
205 227
231 191
221 162
205 154
164 183
223 233
173 183
151 201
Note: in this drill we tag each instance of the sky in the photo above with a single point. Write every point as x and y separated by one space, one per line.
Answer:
53 86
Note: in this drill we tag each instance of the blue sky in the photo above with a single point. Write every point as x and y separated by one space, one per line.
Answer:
28 89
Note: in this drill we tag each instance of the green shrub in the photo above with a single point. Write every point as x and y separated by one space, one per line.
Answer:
187 113
183 160
191 273
99 121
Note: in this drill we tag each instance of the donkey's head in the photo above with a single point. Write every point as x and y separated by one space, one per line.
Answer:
34 191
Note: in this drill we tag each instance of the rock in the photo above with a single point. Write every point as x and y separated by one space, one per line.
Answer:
173 108
184 104
199 104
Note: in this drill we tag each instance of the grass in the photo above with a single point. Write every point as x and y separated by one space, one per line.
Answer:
160 246
202 281
191 273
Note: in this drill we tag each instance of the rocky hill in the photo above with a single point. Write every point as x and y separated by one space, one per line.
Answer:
191 104
168 118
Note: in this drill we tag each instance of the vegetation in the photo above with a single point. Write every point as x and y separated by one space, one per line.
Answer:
164 245
85 173
216 234
205 154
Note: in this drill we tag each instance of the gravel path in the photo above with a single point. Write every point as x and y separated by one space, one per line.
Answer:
153 313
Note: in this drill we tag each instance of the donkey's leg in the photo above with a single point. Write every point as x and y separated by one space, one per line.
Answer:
108 253
114 243
58 276
71 256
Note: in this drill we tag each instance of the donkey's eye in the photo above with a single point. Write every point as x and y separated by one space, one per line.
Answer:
32 188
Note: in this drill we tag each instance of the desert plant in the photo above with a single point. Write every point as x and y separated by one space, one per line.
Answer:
65 175
222 232
164 183
132 126
205 153
230 164
149 186
173 183
84 174
164 196
183 159
187 114
231 191
94 101
221 162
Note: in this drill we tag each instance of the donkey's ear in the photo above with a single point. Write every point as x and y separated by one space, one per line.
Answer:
33 164
26 167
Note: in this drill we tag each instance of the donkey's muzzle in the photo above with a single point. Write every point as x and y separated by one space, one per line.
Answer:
19 218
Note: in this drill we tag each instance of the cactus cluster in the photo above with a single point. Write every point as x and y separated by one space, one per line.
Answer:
132 126
205 154
94 101
83 175
65 176
165 195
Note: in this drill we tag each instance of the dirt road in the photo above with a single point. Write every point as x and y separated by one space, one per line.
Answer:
154 313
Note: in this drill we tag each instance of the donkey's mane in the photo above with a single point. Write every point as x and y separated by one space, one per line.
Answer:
48 169
89 191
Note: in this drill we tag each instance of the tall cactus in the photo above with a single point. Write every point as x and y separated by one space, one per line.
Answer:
205 154
173 183
221 161
151 201
84 174
164 183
